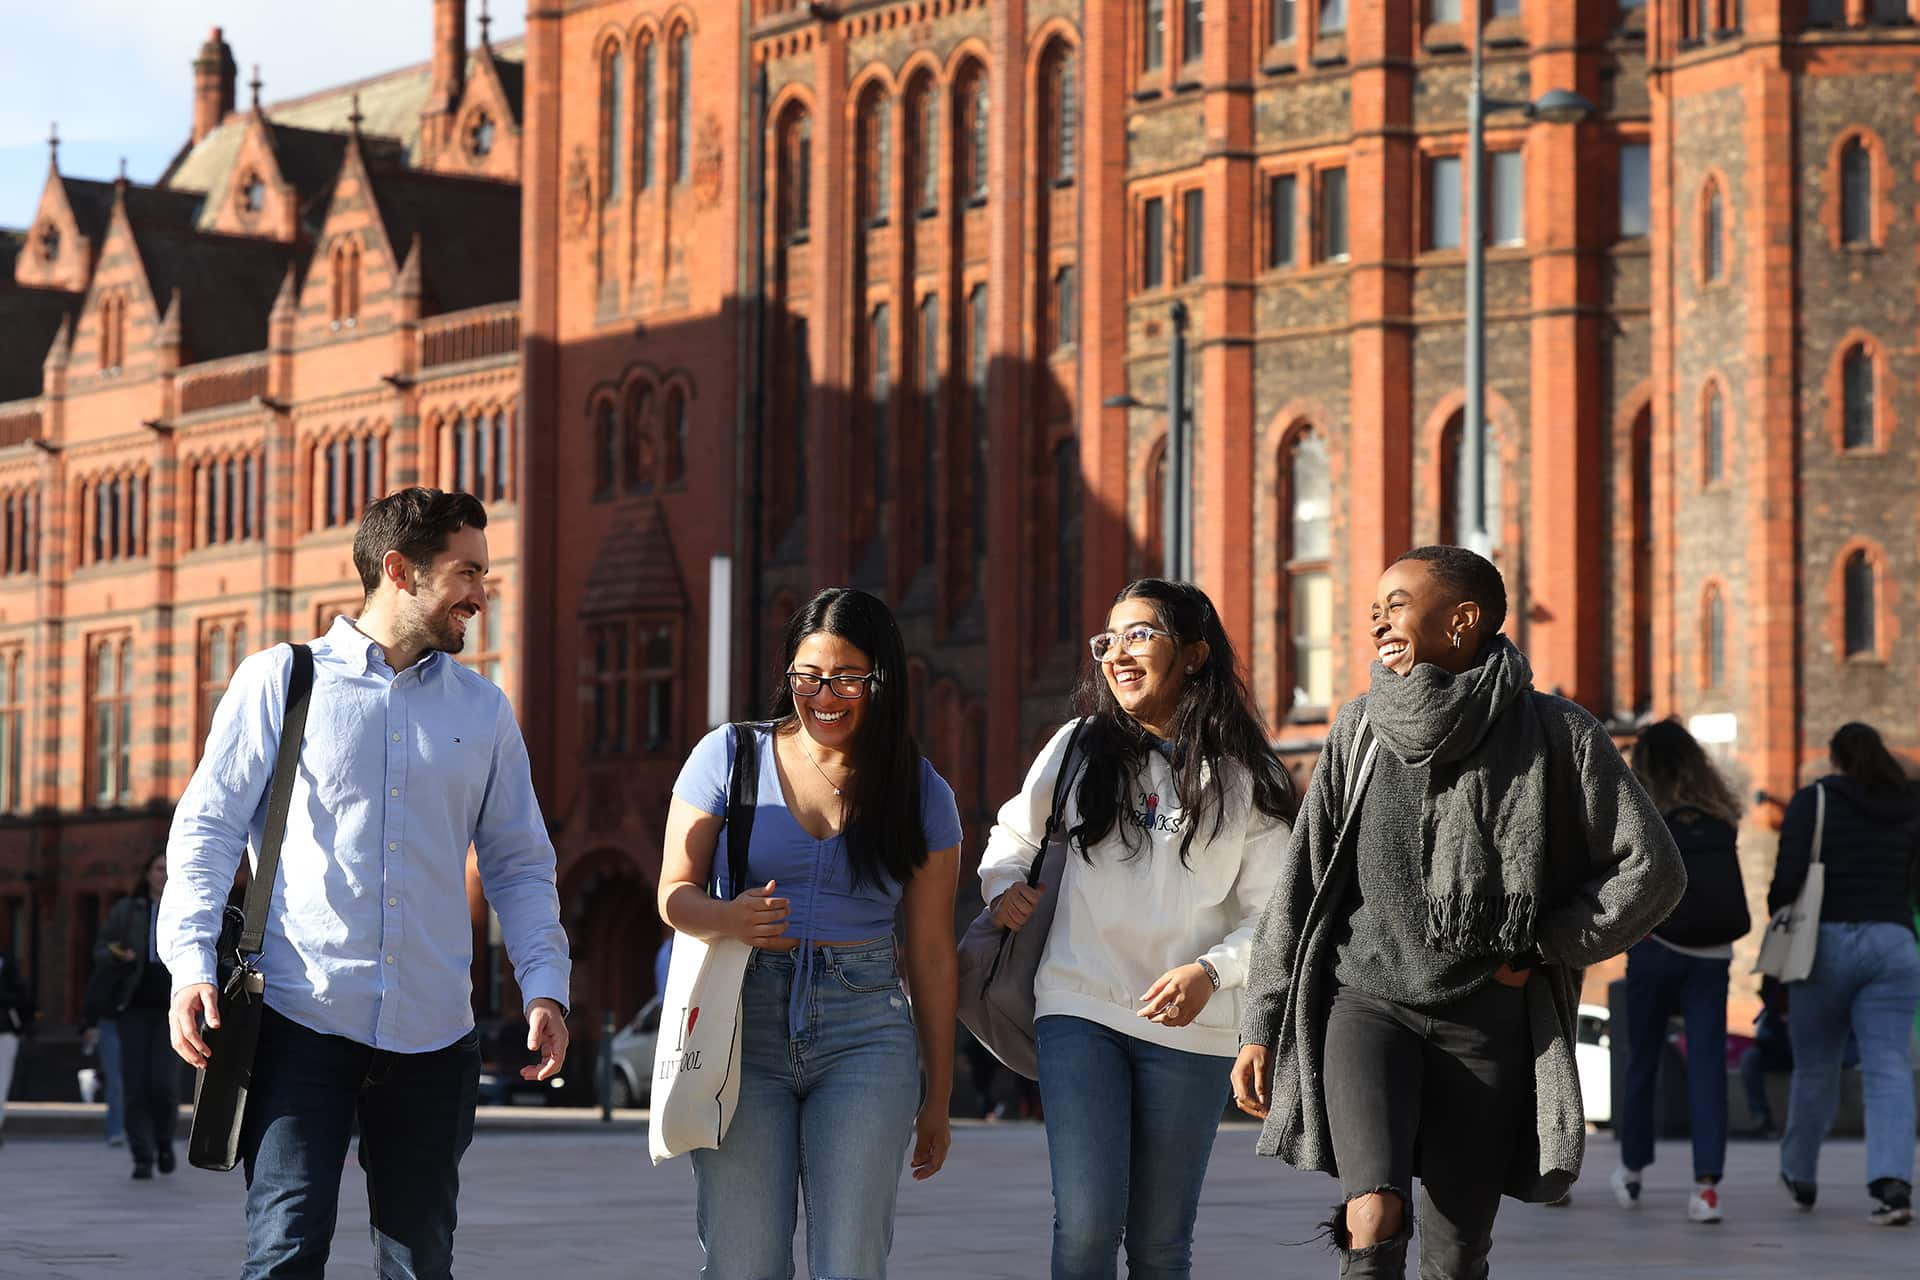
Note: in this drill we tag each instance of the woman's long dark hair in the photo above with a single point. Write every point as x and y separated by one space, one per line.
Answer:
1213 725
140 889
885 838
1859 753
1674 768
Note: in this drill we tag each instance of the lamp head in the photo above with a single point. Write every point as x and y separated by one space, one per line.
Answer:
1562 106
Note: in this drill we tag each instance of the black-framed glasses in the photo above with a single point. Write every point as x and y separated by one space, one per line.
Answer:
1136 640
805 684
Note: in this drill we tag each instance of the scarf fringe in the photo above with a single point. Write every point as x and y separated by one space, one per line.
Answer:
1471 925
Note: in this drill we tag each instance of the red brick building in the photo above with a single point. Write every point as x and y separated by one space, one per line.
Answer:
844 292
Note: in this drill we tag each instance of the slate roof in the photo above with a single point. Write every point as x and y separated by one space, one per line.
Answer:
227 286
30 319
390 104
469 232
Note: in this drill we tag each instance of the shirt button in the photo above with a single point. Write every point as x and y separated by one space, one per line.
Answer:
392 846
393 902
393 791
396 737
389 959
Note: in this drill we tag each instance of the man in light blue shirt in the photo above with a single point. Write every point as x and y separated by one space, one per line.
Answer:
408 759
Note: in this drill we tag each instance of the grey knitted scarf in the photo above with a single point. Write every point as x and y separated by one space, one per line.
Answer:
1483 817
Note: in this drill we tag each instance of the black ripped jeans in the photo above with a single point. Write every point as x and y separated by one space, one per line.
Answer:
1443 1093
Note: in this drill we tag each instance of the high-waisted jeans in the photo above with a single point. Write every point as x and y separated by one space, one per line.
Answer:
1661 982
1130 1128
1453 1083
824 1118
1867 977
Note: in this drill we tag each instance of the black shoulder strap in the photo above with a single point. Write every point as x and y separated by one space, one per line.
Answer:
1359 766
1062 781
293 727
743 793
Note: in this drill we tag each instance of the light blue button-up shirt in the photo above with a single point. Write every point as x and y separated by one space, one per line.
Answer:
369 936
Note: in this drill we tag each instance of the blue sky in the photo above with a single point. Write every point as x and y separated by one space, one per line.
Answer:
118 74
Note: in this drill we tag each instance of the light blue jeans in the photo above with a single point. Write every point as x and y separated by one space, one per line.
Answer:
1865 977
825 1119
1130 1129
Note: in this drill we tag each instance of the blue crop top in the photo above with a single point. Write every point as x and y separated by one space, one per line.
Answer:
813 875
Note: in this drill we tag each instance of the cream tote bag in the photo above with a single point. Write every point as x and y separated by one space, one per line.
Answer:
696 1060
1787 951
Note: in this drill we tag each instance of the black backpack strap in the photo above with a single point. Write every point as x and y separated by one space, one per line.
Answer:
743 794
293 726
1069 767
1359 767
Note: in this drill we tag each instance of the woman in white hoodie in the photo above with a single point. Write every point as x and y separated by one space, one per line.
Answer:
1179 819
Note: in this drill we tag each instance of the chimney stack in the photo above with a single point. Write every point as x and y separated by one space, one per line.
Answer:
213 85
449 56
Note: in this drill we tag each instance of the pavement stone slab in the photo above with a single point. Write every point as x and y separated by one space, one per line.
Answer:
561 1198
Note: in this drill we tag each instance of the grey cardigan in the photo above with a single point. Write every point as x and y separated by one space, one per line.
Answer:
1612 874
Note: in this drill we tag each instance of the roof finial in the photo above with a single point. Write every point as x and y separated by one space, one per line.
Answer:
123 168
356 118
53 144
486 20
254 84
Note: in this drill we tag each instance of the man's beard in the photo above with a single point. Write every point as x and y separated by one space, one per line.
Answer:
447 636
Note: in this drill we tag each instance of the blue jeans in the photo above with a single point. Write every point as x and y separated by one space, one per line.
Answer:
110 1084
1130 1129
416 1119
824 1117
1660 983
1867 977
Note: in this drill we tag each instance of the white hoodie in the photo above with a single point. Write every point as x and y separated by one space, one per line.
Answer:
1123 921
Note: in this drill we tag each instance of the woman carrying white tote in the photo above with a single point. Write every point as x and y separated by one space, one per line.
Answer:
851 822
1866 975
1178 822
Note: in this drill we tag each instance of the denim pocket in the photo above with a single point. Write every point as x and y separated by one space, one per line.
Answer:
867 975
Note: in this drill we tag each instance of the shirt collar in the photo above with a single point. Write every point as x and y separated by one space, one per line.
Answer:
359 650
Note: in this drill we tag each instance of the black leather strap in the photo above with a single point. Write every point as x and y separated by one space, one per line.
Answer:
293 727
743 794
1069 766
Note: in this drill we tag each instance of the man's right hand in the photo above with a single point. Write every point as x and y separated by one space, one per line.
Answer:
1250 1076
183 1021
1014 908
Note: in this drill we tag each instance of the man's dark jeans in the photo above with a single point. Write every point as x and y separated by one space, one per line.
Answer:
1453 1083
416 1119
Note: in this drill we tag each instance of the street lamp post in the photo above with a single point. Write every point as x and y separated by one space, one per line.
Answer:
1556 106
1176 532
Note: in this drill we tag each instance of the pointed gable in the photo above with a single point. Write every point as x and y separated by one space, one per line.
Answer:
485 138
635 570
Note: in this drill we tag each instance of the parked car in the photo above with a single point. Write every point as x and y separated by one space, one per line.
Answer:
633 1047
1592 1052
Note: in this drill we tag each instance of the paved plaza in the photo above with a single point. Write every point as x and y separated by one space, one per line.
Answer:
559 1197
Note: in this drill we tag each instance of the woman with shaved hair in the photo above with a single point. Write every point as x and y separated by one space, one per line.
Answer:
1468 845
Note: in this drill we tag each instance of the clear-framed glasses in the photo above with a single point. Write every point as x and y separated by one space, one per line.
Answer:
805 684
1135 640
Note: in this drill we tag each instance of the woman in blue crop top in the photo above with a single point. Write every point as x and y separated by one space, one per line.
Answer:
851 826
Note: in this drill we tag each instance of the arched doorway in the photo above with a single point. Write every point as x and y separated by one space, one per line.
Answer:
610 914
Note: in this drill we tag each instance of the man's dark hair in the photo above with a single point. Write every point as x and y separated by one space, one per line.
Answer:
415 522
1469 576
